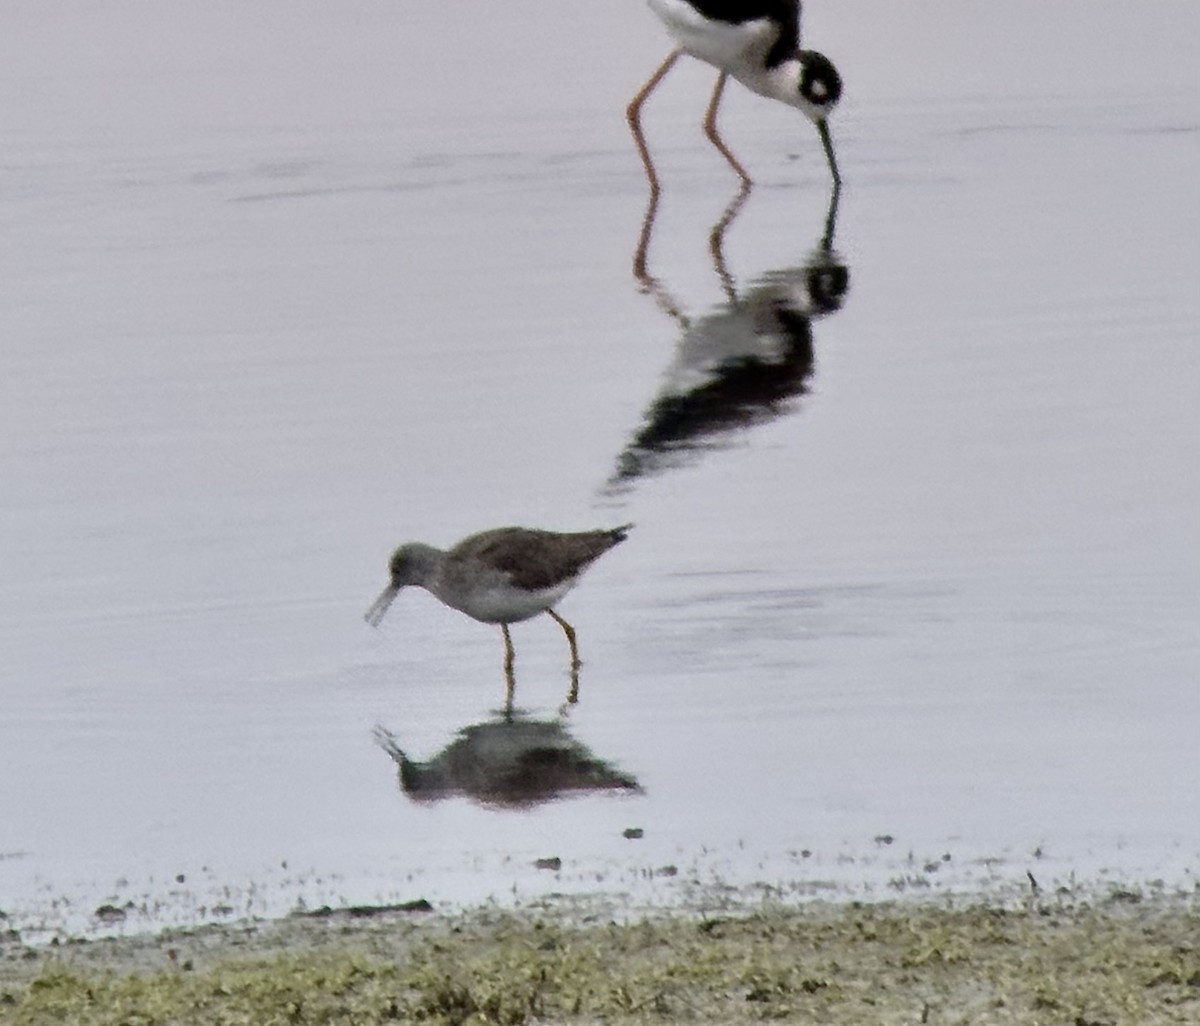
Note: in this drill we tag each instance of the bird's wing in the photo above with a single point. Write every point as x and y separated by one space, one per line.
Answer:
787 13
777 45
536 560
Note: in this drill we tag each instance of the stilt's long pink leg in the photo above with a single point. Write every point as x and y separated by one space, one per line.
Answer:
633 115
710 129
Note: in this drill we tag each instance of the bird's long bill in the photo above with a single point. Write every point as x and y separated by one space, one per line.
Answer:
827 142
380 605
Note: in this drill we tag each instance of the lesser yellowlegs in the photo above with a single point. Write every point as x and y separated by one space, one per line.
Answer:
501 576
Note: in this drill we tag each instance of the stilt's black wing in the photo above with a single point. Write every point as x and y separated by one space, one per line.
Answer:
785 13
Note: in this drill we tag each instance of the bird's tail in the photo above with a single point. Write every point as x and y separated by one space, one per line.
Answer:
619 534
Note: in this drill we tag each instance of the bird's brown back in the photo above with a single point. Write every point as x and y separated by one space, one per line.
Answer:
537 560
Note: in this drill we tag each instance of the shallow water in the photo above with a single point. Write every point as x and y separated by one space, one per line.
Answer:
285 288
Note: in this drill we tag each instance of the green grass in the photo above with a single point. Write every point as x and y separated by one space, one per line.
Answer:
1105 963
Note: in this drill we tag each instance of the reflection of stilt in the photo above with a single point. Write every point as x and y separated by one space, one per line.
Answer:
646 281
716 237
741 363
716 240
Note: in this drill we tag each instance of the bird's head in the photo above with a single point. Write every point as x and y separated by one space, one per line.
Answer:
407 566
820 85
404 566
818 89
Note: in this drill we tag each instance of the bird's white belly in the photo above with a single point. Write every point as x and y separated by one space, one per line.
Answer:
502 603
731 47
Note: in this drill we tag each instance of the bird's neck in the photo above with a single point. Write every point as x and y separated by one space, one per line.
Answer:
781 82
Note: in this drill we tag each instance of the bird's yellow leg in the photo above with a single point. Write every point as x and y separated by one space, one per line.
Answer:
570 633
509 654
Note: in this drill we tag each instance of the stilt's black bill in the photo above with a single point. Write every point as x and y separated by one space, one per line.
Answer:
827 142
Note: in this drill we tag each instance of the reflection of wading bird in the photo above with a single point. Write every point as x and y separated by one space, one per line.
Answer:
738 366
500 576
509 762
758 43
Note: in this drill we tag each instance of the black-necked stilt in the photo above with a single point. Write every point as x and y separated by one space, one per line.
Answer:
501 576
758 43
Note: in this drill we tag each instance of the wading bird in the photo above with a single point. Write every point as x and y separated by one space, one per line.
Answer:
756 42
501 576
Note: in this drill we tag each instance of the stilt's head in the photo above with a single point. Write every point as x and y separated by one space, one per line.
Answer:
410 564
811 83
820 86
808 81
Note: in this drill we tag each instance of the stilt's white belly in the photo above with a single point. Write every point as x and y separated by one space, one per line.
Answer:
734 48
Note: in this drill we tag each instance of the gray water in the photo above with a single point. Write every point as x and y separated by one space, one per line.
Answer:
288 284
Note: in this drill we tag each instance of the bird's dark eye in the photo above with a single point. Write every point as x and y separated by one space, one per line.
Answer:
820 83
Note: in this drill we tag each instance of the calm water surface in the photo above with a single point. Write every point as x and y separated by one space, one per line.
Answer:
916 507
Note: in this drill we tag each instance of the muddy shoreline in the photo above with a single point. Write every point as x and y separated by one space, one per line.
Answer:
1109 957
